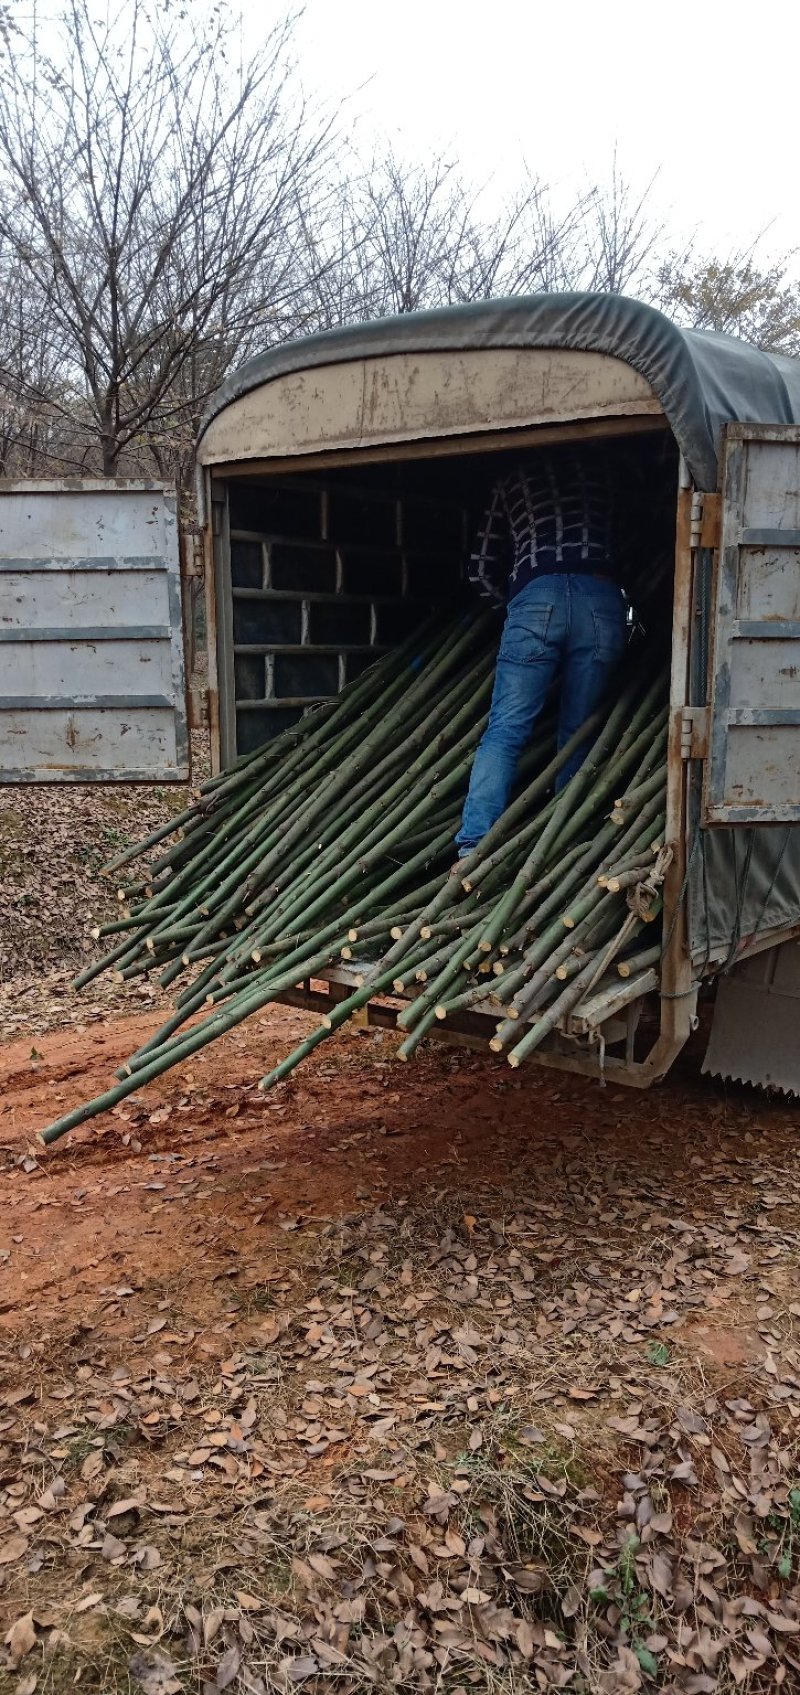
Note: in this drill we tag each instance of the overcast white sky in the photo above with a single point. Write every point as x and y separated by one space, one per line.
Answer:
704 92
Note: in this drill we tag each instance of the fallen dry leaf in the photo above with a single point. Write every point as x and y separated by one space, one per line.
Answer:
268 1332
228 1668
323 1566
249 1603
297 1670
87 1602
27 1516
155 1671
211 1624
120 1508
21 1638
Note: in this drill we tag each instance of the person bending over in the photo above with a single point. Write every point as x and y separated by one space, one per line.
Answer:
545 548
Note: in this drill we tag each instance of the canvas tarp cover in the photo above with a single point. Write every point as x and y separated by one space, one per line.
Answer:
701 379
743 881
740 880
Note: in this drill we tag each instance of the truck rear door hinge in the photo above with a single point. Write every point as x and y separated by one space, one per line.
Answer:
694 732
706 519
192 559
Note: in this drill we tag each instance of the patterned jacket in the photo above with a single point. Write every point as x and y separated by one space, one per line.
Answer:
551 513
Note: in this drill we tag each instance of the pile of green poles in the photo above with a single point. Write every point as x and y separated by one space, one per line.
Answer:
333 844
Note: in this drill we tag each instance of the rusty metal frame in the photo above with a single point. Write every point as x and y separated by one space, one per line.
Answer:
678 990
216 539
470 1030
561 1051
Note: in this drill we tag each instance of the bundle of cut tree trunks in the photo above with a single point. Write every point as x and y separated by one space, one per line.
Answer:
334 842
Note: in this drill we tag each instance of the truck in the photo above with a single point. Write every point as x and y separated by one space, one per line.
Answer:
337 478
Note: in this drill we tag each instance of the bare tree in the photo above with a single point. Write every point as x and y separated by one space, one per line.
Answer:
148 183
404 236
619 238
30 377
167 209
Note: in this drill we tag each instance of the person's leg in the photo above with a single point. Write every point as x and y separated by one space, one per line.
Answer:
529 654
595 643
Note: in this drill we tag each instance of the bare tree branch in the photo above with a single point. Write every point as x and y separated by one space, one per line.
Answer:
167 209
146 177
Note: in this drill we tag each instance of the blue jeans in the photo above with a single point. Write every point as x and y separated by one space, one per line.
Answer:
570 623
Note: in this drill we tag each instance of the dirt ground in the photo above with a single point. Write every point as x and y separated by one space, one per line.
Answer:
53 841
435 1376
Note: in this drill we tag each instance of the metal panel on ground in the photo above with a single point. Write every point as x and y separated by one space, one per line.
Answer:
753 768
92 682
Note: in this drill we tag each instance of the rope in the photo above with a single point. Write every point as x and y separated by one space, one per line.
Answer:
643 893
666 855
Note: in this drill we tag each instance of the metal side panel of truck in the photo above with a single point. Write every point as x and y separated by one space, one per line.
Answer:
92 684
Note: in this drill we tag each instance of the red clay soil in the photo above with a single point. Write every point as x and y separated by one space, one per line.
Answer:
275 1328
201 1173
